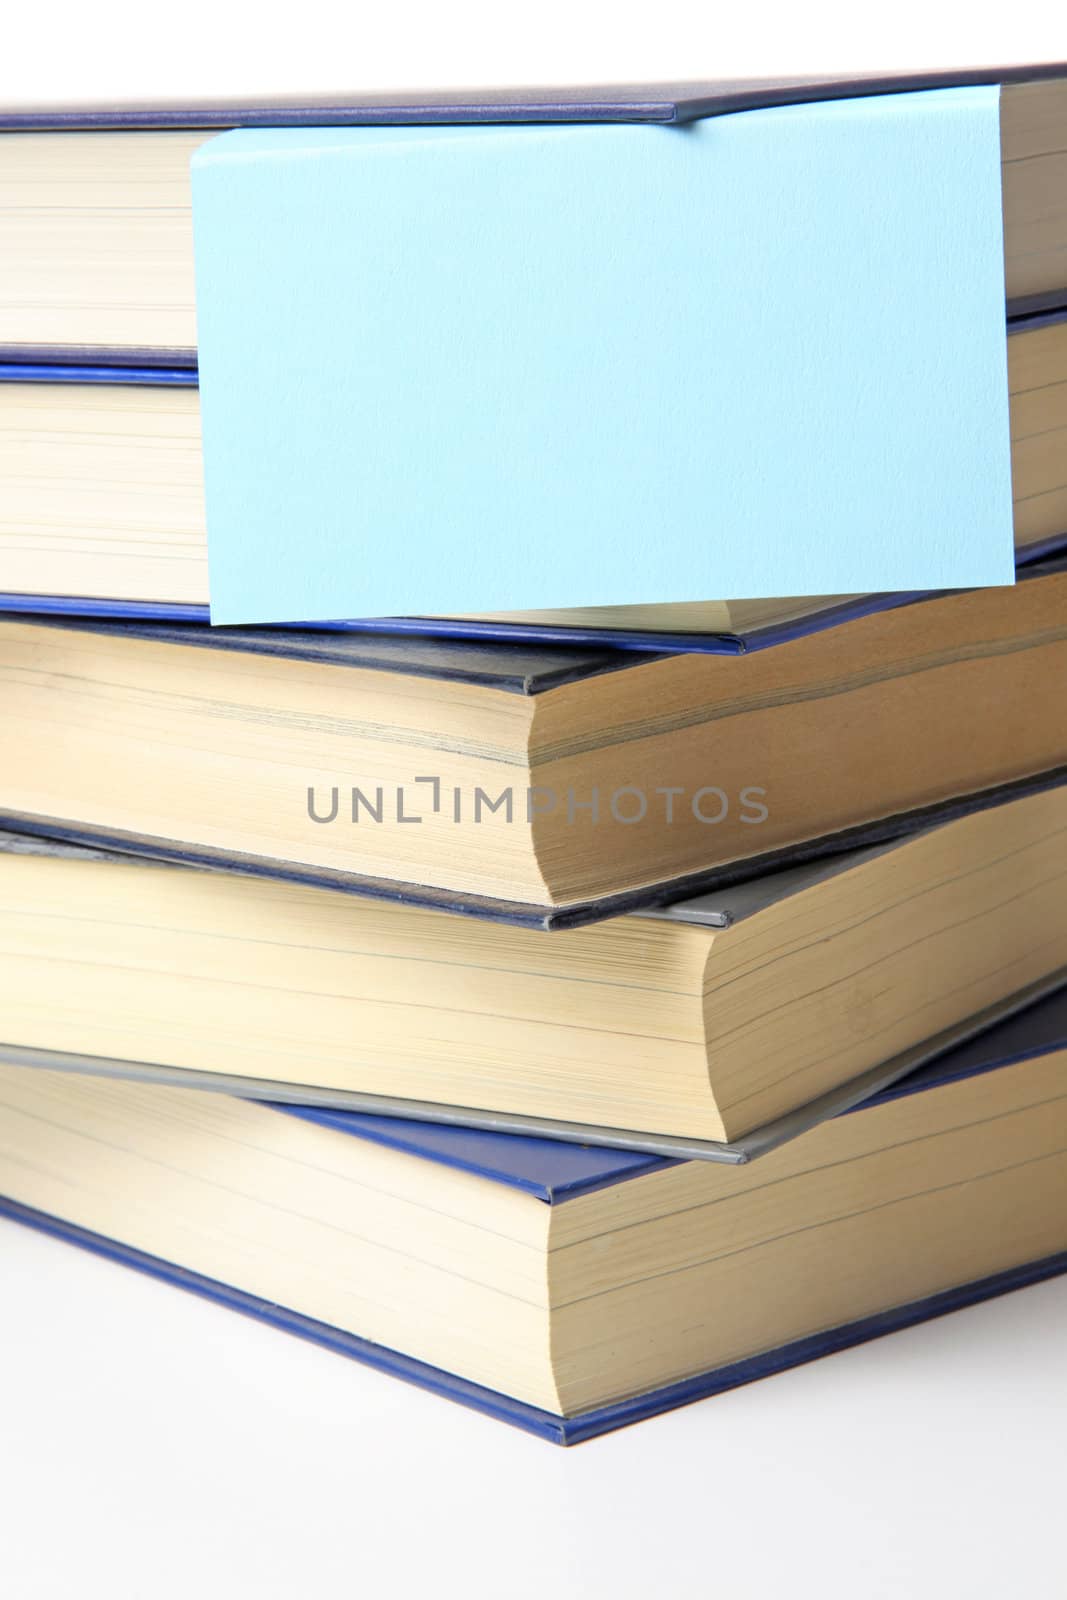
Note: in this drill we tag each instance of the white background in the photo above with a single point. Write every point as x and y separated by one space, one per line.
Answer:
157 1446
152 1445
129 49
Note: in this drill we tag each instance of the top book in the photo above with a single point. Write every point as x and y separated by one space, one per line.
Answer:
98 253
558 350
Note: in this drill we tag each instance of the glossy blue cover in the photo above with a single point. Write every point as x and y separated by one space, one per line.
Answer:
547 1168
556 330
128 374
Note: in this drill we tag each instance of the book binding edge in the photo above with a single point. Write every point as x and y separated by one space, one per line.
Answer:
531 1419
737 1152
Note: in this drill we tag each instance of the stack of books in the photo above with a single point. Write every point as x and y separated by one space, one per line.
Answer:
574 1012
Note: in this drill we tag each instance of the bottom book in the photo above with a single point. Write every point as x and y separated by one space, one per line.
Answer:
566 1289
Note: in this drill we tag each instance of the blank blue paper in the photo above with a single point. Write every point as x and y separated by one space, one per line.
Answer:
459 369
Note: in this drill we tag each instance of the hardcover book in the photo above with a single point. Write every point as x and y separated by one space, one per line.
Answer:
566 1290
114 184
787 390
715 1025
103 511
281 1021
536 784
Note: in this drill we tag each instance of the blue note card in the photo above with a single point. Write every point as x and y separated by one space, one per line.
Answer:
455 369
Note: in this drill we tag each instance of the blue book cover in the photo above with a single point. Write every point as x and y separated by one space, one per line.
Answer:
664 102
555 1175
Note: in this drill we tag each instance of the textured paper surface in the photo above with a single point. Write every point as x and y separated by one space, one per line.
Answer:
485 368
